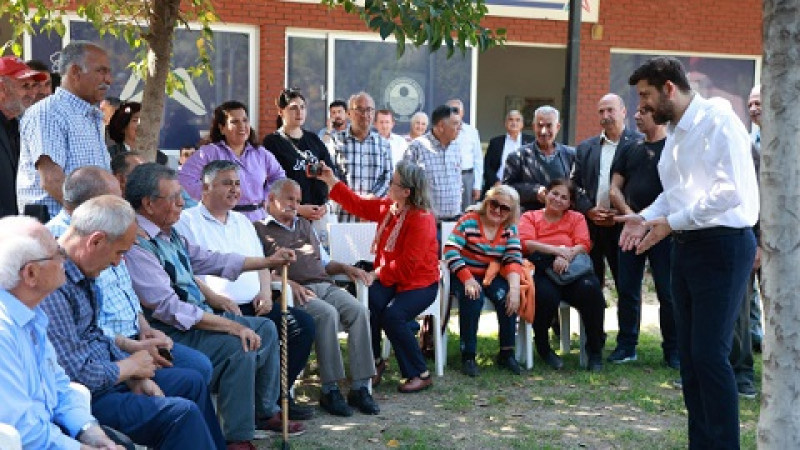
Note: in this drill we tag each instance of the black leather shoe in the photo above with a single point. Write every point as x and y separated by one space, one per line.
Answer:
510 363
469 368
362 399
595 363
334 403
299 412
552 360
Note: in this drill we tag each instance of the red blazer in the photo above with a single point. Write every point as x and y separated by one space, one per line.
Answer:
414 262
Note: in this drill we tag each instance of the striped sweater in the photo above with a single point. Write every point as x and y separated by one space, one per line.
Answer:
468 251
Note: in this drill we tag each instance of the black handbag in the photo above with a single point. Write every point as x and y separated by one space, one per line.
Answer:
580 265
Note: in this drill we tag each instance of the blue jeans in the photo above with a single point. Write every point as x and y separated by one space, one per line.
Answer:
185 418
469 313
709 278
629 312
390 311
188 358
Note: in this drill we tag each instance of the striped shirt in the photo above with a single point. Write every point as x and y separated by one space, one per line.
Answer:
65 128
443 171
468 251
366 165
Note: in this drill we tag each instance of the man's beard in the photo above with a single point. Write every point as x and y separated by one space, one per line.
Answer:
664 111
338 123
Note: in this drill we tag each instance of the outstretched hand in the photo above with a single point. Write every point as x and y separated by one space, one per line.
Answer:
640 234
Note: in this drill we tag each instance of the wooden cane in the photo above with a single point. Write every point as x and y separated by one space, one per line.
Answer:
284 355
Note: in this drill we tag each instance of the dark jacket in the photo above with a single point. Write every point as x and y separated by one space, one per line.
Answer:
9 162
526 171
491 160
587 166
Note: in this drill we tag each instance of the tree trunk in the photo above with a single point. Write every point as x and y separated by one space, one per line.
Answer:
779 424
159 39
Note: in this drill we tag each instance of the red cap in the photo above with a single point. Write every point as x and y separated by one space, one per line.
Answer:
11 66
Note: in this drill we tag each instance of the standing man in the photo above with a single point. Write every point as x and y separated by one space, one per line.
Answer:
500 147
709 204
592 177
16 80
337 120
754 108
65 130
384 123
634 186
469 144
437 152
364 157
531 169
44 87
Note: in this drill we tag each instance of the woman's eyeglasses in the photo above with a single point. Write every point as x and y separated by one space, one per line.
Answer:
494 204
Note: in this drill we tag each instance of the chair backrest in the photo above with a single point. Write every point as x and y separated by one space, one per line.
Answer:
447 229
351 242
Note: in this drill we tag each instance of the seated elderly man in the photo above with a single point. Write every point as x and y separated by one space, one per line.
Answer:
37 399
214 225
158 408
120 315
327 303
243 350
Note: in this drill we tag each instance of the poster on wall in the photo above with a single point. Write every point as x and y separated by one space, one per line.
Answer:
543 9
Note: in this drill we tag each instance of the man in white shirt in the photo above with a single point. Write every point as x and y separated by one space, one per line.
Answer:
469 143
384 123
709 205
494 163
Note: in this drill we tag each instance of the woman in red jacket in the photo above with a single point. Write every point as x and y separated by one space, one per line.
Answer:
406 264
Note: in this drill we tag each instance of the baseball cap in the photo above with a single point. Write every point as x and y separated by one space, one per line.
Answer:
11 66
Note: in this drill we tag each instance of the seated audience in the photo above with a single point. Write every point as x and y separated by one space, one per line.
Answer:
243 350
37 399
330 306
551 238
158 408
406 265
486 235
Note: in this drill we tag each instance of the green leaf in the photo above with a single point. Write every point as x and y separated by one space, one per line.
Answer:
386 29
16 47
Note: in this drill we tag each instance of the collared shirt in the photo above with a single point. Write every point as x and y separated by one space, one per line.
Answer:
236 235
258 169
87 355
469 143
37 399
65 128
707 170
152 282
443 171
398 144
608 149
324 257
509 146
119 305
367 165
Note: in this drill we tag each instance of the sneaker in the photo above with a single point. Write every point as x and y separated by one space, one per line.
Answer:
747 391
621 355
553 360
595 363
362 399
299 412
672 361
275 425
678 384
509 362
334 403
469 368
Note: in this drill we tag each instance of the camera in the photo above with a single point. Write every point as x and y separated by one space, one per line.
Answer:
313 169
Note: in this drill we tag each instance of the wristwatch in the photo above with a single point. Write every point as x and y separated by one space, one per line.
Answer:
85 427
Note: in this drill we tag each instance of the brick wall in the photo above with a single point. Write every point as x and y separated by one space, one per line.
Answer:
709 26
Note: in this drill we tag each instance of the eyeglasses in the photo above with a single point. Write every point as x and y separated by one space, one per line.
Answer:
60 252
494 204
364 111
171 198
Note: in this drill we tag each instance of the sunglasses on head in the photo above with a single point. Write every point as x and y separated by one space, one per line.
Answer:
494 204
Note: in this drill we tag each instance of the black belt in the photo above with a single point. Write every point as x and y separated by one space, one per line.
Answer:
685 236
247 208
464 172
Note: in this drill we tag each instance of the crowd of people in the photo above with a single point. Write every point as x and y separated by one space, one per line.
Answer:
151 286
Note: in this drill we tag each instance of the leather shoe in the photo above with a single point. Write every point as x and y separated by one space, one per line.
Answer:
469 367
509 362
415 384
362 399
595 363
553 360
299 412
334 403
240 445
275 425
379 369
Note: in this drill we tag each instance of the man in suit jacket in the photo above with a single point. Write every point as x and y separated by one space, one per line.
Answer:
535 165
592 177
494 162
16 93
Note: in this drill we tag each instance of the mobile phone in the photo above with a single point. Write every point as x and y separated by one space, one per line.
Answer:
165 353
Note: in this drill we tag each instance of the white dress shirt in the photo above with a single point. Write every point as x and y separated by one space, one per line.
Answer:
608 150
707 170
398 145
469 142
510 146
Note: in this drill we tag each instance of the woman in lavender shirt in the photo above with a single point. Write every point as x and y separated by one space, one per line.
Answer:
232 139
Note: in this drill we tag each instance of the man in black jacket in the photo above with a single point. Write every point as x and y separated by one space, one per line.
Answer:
592 176
494 162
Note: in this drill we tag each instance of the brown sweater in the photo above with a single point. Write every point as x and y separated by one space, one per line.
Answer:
308 268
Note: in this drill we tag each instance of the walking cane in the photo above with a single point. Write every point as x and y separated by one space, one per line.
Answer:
284 347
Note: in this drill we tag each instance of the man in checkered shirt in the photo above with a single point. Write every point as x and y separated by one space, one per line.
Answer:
363 155
65 130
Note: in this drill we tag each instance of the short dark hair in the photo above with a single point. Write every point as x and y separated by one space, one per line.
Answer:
338 102
442 112
120 164
221 117
35 64
143 182
657 71
121 119
387 112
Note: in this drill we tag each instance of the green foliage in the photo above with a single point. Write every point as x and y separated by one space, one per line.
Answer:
456 24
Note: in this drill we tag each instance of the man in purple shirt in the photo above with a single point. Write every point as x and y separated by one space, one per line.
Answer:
242 349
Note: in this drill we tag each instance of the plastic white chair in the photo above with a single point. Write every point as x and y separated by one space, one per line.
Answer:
564 320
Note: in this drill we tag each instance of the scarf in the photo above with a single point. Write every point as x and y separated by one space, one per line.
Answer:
393 211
